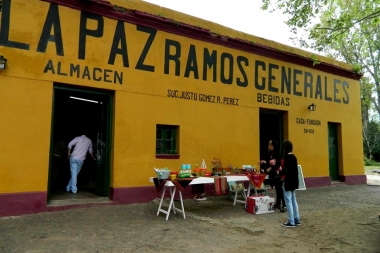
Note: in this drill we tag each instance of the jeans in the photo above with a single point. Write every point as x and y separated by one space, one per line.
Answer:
292 206
75 167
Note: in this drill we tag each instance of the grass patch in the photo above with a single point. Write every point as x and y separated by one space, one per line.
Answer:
370 162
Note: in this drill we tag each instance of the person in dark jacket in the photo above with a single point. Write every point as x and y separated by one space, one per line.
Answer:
273 168
290 175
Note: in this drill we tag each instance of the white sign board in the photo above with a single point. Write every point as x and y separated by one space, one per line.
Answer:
301 180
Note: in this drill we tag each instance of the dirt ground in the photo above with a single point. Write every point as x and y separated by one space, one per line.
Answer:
337 218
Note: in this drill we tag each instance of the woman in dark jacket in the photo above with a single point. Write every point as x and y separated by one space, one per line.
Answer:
272 165
290 175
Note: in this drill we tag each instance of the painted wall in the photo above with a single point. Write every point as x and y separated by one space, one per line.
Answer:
25 109
145 67
206 130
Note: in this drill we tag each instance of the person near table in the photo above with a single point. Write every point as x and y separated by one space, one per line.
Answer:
82 145
290 174
273 169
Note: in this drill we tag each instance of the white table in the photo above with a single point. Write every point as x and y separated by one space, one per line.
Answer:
199 180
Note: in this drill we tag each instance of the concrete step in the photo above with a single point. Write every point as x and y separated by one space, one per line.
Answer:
79 201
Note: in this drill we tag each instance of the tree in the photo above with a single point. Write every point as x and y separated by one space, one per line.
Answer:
358 46
366 90
344 15
371 138
347 30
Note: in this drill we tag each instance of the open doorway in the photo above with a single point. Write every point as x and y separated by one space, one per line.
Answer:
333 142
77 112
271 128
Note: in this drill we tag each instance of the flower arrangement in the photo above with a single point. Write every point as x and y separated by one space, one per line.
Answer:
216 163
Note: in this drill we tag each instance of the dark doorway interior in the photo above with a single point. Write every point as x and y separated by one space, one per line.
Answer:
271 128
78 112
333 151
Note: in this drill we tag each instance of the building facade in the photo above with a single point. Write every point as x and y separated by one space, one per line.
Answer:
156 88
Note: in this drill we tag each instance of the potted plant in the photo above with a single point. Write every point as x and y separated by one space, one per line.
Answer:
217 166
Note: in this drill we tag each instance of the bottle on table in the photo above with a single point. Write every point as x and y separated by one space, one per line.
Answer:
203 168
203 165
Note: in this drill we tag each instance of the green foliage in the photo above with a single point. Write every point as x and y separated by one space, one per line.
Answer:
366 91
370 162
371 139
346 30
357 68
315 60
337 17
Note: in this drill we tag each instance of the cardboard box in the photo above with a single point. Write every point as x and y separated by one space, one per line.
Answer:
260 204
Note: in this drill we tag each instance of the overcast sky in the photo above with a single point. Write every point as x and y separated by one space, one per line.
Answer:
241 15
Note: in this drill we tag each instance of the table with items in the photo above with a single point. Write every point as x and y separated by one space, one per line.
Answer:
179 184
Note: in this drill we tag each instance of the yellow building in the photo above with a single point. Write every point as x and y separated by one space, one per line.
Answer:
160 89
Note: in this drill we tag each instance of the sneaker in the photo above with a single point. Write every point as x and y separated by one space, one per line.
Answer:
288 225
297 223
283 210
201 199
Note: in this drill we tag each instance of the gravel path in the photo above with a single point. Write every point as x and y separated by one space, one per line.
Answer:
334 219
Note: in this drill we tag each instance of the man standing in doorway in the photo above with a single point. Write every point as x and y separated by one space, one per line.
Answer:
82 146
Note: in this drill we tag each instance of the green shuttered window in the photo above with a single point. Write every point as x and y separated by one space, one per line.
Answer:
166 139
